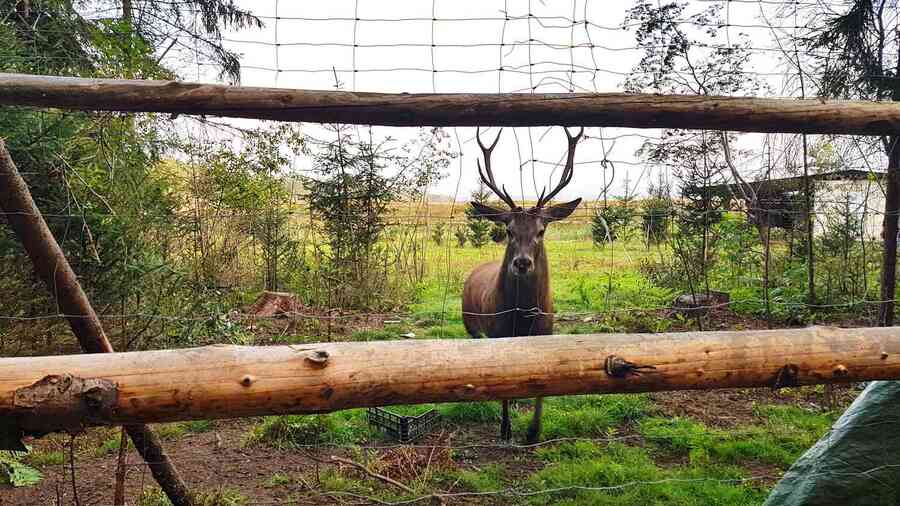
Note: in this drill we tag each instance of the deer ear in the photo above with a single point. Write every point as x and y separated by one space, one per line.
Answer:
560 211
490 213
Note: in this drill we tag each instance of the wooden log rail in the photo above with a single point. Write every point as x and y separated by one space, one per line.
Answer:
43 394
747 114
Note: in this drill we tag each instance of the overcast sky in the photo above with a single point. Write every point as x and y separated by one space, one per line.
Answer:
394 53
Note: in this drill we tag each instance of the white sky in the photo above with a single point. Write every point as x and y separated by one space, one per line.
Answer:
308 49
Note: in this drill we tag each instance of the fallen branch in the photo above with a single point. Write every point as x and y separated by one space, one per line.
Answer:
373 474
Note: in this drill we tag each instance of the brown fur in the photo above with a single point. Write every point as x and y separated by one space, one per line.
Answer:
489 312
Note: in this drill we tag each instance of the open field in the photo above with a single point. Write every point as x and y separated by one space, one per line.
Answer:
721 447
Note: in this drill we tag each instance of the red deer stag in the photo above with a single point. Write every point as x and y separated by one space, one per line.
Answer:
512 297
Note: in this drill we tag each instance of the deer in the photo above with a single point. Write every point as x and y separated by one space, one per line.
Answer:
511 297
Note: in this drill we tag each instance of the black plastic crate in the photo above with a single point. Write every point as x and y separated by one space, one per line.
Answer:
400 427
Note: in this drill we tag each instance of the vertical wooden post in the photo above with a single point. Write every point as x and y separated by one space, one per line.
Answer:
27 222
889 234
807 193
810 228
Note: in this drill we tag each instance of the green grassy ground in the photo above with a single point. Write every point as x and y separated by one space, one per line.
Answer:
599 450
595 450
608 449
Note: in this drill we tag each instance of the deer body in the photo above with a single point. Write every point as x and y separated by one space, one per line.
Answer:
512 297
499 305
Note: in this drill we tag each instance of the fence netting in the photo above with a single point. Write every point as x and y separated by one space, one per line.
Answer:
189 231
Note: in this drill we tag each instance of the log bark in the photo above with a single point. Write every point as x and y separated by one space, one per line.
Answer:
47 400
744 114
224 381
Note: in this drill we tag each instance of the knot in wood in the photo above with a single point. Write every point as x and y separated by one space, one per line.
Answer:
840 371
617 367
318 357
248 380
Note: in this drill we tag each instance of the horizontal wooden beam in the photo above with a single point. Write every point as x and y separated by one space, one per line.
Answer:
42 394
744 114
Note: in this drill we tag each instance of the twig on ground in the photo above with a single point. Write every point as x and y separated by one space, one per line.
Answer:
121 469
378 476
72 468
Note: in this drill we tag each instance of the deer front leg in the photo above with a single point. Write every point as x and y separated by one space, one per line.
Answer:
534 428
505 425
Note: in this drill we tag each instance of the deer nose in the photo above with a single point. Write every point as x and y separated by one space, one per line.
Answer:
522 264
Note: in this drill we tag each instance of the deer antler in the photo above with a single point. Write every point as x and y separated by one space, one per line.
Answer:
567 172
489 178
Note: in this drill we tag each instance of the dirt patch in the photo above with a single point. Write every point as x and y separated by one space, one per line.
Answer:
207 461
735 407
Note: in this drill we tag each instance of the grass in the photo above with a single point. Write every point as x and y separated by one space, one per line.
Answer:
108 446
165 431
586 415
294 431
169 431
678 435
226 496
682 461
44 458
487 478
584 473
470 412
278 480
785 433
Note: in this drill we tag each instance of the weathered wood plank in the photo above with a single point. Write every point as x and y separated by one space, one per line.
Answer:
236 381
745 114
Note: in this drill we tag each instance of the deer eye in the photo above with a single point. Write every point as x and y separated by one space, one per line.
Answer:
540 234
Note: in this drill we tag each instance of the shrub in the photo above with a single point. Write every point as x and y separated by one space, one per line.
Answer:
293 431
438 232
461 237
655 219
609 223
479 232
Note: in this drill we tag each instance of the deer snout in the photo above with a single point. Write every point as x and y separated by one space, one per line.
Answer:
522 265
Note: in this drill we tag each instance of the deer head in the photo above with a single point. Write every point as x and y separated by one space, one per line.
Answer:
525 227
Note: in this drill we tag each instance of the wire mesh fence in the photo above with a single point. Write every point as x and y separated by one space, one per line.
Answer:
177 225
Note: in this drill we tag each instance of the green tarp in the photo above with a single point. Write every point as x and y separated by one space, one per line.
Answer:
857 462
